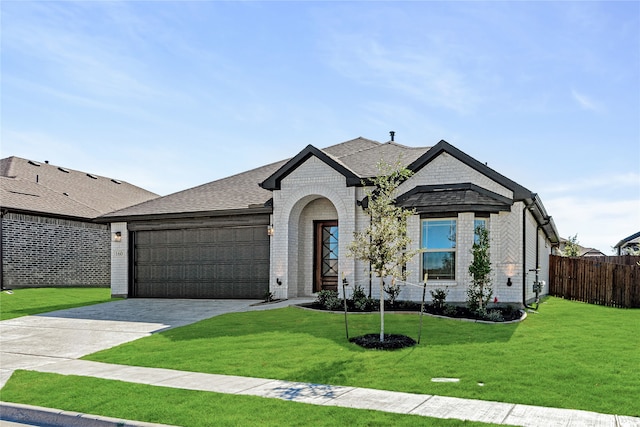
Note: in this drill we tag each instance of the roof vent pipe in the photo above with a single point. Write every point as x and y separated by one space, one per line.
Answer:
393 134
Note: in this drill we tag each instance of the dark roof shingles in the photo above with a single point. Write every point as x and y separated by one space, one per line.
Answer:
48 189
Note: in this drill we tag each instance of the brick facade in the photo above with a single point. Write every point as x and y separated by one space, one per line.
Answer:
49 252
315 191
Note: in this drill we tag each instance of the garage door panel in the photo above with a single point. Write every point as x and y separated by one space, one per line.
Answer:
230 262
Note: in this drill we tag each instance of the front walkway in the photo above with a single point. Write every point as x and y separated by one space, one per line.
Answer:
54 342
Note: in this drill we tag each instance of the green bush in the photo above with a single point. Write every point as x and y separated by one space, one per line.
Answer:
330 300
360 300
439 298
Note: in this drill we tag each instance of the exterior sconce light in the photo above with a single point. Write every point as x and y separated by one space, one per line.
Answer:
117 236
509 282
278 281
270 230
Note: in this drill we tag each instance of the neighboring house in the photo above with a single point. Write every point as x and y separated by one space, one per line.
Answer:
285 228
48 235
582 251
629 245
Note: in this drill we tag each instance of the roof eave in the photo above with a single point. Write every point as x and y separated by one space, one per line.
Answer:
182 215
5 210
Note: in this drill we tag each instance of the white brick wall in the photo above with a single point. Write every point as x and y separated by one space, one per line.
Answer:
446 169
120 260
294 205
315 191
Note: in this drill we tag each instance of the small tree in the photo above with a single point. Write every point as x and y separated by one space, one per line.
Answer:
384 242
571 247
480 291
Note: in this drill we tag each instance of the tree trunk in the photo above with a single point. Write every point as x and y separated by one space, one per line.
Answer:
381 309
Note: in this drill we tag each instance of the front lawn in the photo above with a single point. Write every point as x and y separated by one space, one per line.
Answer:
192 408
569 355
25 302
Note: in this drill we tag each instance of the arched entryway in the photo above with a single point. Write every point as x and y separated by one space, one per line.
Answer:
318 253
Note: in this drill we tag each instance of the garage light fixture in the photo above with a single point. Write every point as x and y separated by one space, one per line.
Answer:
117 236
270 230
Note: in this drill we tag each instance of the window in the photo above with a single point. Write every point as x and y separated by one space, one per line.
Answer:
478 222
439 245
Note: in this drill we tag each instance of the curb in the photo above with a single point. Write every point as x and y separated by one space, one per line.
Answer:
49 417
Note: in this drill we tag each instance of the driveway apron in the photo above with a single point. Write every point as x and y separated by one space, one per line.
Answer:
33 341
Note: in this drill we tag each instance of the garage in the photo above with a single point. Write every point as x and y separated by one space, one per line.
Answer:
230 261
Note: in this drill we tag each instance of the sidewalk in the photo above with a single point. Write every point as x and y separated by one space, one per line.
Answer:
349 397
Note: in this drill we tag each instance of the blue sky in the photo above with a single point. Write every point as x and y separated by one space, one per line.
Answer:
169 95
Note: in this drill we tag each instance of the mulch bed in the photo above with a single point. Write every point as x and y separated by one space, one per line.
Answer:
391 341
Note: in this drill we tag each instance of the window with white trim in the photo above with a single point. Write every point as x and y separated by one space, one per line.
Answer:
439 249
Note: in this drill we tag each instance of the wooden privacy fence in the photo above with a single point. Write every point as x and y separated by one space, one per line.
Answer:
612 281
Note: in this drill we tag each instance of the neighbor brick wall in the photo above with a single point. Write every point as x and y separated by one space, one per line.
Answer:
43 252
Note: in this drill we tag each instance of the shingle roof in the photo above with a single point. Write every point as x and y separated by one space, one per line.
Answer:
465 197
243 190
239 191
34 187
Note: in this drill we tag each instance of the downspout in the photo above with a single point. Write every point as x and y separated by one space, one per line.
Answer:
524 254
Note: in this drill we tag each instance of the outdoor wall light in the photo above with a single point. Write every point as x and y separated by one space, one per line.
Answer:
278 281
270 230
117 236
509 282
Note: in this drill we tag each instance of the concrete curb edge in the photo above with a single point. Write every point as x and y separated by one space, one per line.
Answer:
38 415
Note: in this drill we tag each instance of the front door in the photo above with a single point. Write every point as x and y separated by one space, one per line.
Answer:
325 257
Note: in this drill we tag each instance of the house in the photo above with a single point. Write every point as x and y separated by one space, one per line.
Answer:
629 245
285 228
48 234
582 250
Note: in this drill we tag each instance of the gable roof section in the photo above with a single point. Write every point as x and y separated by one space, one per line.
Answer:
273 182
356 159
519 192
31 187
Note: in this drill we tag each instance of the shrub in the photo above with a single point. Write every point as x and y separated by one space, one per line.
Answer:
360 300
329 299
439 298
268 296
479 292
450 310
393 291
494 316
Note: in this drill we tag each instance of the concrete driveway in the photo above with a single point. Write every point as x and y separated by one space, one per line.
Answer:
31 341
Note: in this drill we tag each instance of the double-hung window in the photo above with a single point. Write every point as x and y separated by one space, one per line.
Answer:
439 249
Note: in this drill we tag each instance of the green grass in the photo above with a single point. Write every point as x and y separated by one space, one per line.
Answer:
25 302
569 355
191 408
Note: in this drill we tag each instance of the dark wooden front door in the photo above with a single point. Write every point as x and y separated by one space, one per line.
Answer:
325 257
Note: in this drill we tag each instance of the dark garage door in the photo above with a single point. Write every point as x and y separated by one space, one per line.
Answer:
223 262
